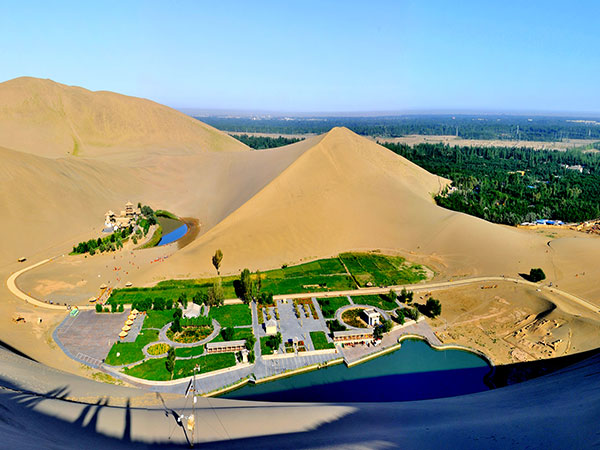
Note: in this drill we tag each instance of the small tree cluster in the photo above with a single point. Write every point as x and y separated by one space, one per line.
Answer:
265 298
406 296
274 341
215 294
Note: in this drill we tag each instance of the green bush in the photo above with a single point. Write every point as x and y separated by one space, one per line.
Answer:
536 275
98 307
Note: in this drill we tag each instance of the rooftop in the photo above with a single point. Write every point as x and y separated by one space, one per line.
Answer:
225 344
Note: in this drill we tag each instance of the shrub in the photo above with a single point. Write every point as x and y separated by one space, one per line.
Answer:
169 304
120 308
113 307
536 275
98 307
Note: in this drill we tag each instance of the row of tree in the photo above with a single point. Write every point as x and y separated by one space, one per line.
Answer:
466 126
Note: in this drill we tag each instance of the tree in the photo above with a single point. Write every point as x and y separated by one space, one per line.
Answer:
216 260
246 286
169 303
121 308
176 325
215 294
170 363
98 308
392 296
177 314
536 275
400 316
227 333
250 342
274 341
158 304
199 298
183 300
113 307
258 283
434 307
405 296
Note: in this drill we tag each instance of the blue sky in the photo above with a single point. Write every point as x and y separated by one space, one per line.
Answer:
316 56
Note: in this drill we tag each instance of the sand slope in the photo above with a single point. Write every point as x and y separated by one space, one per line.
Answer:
51 119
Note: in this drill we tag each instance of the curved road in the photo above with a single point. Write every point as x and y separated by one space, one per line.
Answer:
11 283
12 287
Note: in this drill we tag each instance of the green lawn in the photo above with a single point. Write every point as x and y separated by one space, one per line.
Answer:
382 270
330 305
151 369
319 340
238 334
130 352
158 319
374 300
185 352
231 315
185 367
322 275
264 348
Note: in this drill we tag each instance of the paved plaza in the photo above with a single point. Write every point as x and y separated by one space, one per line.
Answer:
89 336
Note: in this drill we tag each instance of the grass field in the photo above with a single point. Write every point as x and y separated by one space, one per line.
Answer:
231 315
158 319
185 352
185 367
319 340
130 352
322 275
330 305
382 270
151 369
239 333
374 300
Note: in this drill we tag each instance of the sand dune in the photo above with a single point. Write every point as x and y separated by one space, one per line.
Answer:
53 120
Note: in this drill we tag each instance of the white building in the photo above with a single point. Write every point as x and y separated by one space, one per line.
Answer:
372 317
271 327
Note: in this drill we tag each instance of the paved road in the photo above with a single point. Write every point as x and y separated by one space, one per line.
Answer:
442 285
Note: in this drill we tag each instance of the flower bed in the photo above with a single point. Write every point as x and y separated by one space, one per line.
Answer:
158 349
190 334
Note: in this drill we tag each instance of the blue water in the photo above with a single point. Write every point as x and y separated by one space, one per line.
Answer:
414 372
173 235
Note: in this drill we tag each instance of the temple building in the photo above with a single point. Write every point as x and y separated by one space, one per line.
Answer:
128 217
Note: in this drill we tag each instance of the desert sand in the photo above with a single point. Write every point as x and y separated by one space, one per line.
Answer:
69 154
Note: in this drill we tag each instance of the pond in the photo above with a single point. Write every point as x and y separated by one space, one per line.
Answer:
172 230
414 372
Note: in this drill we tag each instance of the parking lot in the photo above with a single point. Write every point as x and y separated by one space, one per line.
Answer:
89 336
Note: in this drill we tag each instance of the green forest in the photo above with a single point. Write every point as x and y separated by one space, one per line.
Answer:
263 142
513 185
504 127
